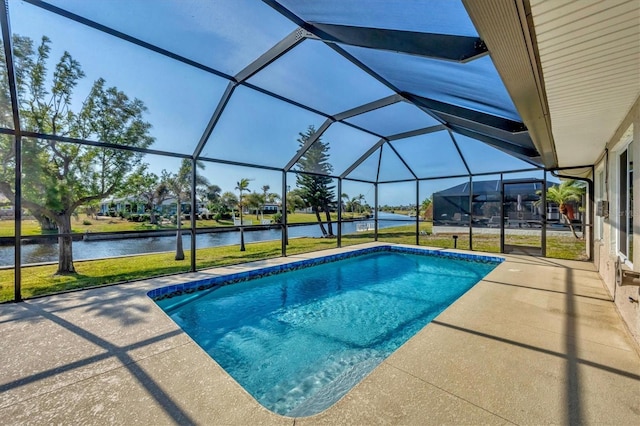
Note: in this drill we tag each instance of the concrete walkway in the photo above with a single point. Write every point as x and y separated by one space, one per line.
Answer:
537 342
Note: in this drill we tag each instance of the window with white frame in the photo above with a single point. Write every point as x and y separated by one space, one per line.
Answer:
625 202
600 197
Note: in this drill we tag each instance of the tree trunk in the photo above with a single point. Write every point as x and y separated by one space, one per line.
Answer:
328 215
179 249
65 248
46 224
317 212
564 211
152 216
573 231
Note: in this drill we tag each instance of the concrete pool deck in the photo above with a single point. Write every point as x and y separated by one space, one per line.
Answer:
538 341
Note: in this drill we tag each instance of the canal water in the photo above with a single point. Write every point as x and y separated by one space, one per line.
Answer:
48 252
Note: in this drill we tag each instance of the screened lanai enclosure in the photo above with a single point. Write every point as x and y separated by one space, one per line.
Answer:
144 138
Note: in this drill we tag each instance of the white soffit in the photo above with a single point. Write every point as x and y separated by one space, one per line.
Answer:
590 59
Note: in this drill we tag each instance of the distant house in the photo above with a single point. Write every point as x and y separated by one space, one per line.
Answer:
132 205
271 208
114 206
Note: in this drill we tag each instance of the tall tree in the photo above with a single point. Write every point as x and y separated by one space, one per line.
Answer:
254 201
316 188
265 195
179 185
60 177
241 186
228 201
344 200
211 193
151 190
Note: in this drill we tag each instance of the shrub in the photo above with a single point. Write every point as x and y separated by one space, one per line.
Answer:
135 217
222 216
86 222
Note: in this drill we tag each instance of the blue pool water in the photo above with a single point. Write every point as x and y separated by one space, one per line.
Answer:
298 341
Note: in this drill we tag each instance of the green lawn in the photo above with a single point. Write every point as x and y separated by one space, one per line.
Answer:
39 280
84 224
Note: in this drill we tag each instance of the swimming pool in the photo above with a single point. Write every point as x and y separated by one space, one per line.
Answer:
298 336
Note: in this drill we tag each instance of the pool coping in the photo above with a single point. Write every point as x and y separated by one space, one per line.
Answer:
173 290
531 340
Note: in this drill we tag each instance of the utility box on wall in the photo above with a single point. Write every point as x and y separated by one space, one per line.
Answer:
602 208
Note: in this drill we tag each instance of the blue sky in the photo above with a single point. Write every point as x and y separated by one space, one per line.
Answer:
255 128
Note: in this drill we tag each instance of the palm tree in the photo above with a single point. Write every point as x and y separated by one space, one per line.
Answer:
568 190
360 199
241 185
265 194
254 201
427 207
345 198
179 184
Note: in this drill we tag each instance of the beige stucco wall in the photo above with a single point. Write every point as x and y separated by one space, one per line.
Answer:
604 250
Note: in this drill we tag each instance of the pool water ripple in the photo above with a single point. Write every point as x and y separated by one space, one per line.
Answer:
299 340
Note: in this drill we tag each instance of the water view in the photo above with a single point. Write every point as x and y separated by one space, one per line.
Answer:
82 250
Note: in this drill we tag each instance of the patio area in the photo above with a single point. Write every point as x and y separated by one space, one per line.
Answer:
538 341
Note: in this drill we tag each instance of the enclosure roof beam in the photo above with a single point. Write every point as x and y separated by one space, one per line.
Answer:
312 139
455 143
523 153
371 106
402 159
285 45
438 46
222 104
501 123
418 132
363 157
126 37
120 147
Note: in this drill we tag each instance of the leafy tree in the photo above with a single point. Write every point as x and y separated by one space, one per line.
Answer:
228 201
255 202
211 193
316 189
60 177
148 187
295 200
92 209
